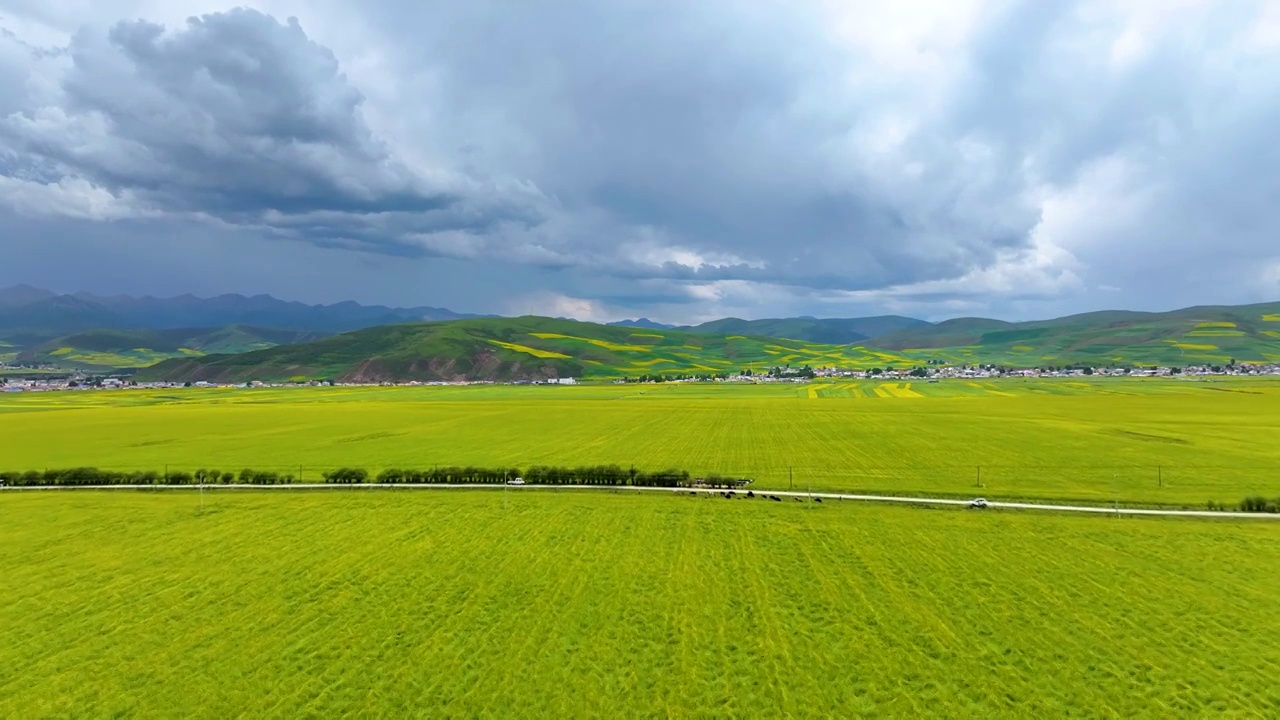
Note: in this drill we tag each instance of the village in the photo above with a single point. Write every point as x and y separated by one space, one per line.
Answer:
78 381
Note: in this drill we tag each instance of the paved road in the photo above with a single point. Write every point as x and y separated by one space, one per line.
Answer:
1048 507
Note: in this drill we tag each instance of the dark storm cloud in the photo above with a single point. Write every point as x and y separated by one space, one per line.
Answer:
719 125
239 117
749 155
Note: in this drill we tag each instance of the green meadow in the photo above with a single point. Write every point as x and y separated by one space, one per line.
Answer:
563 603
540 603
1170 442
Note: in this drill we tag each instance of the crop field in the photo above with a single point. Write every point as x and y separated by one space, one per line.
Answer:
1170 442
558 604
135 357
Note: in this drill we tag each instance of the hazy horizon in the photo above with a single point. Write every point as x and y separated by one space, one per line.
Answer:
603 320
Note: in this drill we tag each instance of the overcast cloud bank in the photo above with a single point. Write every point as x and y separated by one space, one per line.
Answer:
677 160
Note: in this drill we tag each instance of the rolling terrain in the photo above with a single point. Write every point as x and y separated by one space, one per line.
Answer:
530 348
388 344
524 348
1198 335
102 350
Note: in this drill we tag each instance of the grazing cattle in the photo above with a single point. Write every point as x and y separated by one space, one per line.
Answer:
775 498
750 494
817 499
796 499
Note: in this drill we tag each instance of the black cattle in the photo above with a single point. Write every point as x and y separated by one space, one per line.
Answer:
817 499
750 494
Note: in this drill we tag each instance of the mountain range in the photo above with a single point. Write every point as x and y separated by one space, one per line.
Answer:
529 348
37 313
523 348
32 311
237 337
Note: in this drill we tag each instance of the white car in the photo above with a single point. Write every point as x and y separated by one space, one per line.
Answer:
517 481
978 503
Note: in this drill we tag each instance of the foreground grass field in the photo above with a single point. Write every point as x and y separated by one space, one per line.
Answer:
1151 441
559 604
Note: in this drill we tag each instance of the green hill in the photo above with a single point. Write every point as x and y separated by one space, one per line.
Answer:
529 348
525 348
1198 335
113 349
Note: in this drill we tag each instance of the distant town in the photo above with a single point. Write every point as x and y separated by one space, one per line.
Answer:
72 381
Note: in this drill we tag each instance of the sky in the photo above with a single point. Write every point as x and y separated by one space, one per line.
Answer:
677 160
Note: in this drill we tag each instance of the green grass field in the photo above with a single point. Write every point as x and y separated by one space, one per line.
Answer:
569 604
1135 440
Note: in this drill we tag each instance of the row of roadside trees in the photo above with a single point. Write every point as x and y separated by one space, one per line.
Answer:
90 476
609 475
536 475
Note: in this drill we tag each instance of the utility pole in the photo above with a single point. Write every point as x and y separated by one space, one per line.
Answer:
979 476
790 480
202 493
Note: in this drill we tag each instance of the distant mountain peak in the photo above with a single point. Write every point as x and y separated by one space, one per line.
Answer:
643 323
836 331
31 310
23 294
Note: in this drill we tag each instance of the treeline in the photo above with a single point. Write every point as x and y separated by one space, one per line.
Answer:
611 475
97 476
536 475
1260 504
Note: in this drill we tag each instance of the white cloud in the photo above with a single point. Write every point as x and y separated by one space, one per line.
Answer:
68 197
652 253
1269 277
556 305
681 158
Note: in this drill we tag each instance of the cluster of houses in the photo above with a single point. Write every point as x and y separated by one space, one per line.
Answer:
929 374
994 371
82 382
969 372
